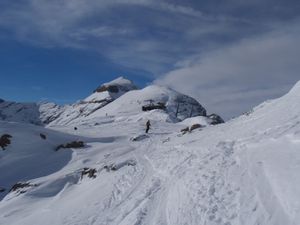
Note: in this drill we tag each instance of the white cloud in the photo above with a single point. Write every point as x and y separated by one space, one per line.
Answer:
234 79
149 35
158 35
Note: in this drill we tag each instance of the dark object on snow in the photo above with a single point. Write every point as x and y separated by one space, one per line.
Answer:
111 167
43 136
18 186
90 172
75 128
115 167
195 126
248 113
185 129
5 141
148 125
216 119
152 106
139 137
2 189
73 144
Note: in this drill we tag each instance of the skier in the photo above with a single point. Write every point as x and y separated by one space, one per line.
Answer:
148 126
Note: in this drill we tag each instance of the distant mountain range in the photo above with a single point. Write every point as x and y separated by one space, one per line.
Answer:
130 98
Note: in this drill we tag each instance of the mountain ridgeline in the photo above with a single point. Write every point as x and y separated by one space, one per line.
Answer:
118 97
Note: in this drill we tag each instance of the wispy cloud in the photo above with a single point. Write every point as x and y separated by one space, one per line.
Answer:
233 79
133 33
212 48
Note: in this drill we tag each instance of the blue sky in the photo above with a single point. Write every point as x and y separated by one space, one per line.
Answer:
61 75
230 55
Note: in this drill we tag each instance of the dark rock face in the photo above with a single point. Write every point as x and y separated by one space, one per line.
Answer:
89 172
5 141
186 107
111 88
1 100
152 106
195 126
73 144
20 186
184 130
114 88
216 119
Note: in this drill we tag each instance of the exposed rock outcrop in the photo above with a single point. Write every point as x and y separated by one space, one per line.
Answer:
5 141
216 119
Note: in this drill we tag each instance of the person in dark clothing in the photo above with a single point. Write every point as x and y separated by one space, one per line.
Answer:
148 126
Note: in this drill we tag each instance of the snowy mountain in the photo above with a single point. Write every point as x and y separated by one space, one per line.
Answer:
176 106
20 112
46 113
108 171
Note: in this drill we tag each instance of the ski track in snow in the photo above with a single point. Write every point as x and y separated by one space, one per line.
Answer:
245 172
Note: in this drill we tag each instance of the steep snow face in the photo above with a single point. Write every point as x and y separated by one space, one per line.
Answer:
176 105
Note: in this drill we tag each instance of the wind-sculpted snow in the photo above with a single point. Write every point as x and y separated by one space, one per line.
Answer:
243 172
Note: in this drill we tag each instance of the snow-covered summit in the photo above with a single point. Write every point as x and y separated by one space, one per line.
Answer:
119 97
102 96
121 82
178 106
110 91
51 113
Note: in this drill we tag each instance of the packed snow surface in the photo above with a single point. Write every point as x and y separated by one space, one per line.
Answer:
243 172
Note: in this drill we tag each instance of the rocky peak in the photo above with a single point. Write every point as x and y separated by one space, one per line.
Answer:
120 84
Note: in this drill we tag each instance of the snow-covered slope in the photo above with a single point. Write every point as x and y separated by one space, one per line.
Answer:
102 96
118 98
20 112
50 113
29 156
177 106
243 172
